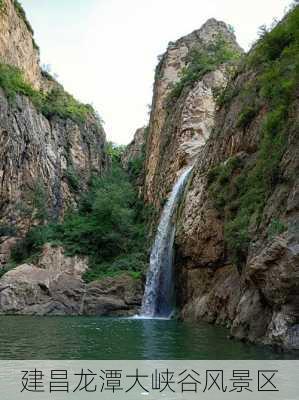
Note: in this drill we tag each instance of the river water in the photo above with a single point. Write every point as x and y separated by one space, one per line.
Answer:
23 337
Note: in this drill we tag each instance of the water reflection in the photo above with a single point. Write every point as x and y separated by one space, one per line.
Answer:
104 338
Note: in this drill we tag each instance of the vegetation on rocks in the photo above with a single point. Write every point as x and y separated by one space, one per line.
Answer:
109 226
21 13
57 102
241 189
201 62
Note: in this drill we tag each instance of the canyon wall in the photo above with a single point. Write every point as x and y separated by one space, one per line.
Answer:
177 131
237 239
17 45
46 160
135 149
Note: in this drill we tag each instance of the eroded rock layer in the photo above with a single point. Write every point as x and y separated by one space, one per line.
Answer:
237 237
53 285
176 132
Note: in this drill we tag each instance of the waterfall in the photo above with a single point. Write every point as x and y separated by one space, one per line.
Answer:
159 288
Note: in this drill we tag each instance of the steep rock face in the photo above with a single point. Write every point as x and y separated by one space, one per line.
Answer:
134 150
51 158
17 46
50 153
175 135
260 302
237 236
54 286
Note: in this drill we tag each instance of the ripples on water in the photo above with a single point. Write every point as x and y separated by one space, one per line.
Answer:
106 338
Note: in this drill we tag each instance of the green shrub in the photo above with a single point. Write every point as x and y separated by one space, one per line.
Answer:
30 247
240 193
276 228
12 82
135 166
57 102
6 268
21 13
246 116
108 227
134 264
273 43
200 63
223 96
114 152
73 179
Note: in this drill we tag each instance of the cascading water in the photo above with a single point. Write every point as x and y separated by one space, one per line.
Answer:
159 288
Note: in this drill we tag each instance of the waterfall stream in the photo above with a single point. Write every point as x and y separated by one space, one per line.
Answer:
159 288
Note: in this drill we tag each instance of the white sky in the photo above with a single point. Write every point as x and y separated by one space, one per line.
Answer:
105 51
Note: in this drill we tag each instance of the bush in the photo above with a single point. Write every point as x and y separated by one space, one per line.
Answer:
200 63
108 226
241 193
273 43
276 228
12 82
246 116
21 13
73 179
57 102
135 166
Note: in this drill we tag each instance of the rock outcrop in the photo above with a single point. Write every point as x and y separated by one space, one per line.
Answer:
57 155
17 45
261 303
250 284
45 160
176 133
135 149
53 285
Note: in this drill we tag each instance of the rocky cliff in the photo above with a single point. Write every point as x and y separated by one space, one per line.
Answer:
17 45
135 150
50 143
178 129
237 234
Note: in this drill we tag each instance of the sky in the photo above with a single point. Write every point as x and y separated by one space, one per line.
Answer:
105 51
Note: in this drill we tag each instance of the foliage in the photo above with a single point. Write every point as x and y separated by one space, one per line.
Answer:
6 268
241 191
275 228
12 82
57 102
34 205
272 44
114 152
135 166
21 13
73 179
7 230
246 116
200 63
133 263
225 95
30 247
108 226
60 103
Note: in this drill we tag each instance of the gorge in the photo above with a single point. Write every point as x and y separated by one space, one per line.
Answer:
204 201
